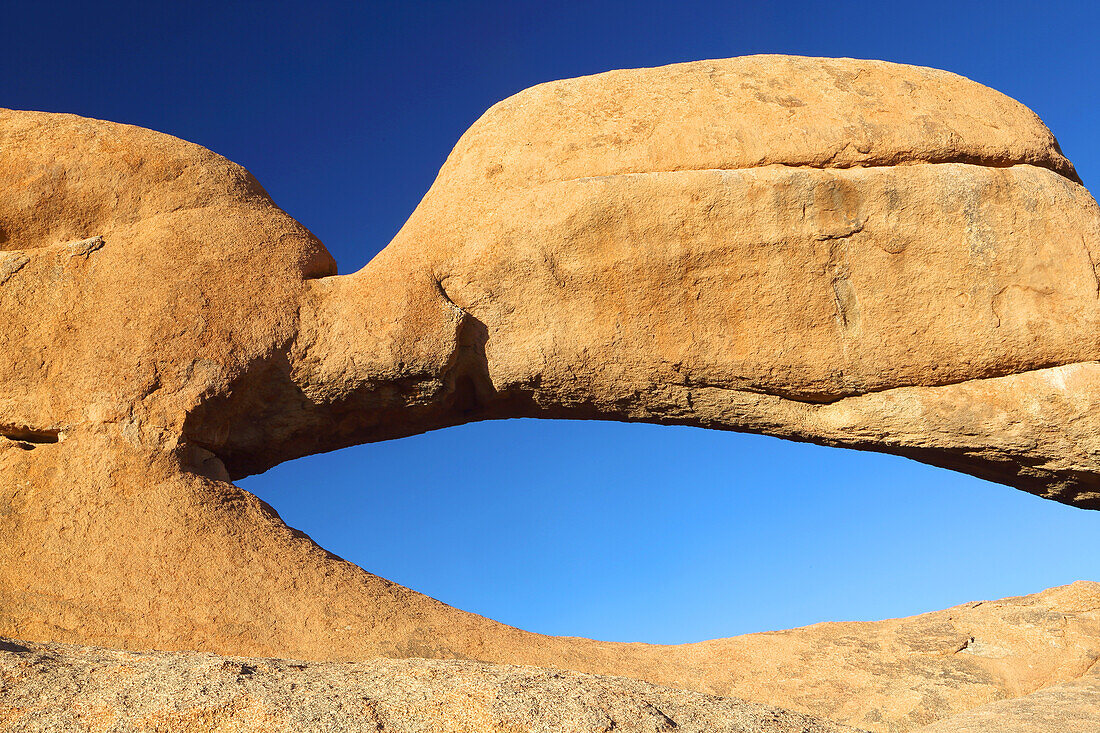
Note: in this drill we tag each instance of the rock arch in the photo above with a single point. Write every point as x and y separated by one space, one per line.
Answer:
853 253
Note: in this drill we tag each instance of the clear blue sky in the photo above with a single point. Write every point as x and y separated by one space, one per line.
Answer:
628 532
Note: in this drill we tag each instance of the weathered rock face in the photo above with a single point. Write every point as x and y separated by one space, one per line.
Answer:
143 275
850 252
57 687
902 674
1070 707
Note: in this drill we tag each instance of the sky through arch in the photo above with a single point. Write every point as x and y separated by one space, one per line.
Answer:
634 532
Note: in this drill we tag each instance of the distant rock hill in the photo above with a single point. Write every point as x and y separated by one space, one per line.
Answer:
854 253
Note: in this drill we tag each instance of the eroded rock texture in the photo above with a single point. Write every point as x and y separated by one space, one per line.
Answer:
1070 707
58 687
849 252
1020 665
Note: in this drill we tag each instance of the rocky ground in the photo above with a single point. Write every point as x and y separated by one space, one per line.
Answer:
60 687
57 687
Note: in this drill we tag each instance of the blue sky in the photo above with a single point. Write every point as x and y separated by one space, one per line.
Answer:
628 532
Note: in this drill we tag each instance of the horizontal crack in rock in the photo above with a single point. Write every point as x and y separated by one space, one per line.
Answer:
1071 175
820 400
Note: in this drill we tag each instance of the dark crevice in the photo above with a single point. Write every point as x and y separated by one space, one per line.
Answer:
34 436
469 386
1068 171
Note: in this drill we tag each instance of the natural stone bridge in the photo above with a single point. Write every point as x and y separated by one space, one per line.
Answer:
853 253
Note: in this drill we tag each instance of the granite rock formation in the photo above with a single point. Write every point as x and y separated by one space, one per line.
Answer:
850 253
1021 665
853 253
59 687
1069 707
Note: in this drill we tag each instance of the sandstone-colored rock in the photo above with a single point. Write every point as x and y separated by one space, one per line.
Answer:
837 251
901 674
825 250
57 687
886 676
1071 707
848 252
199 564
153 274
